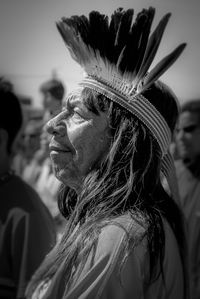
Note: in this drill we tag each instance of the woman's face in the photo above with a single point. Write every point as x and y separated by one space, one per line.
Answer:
80 140
188 135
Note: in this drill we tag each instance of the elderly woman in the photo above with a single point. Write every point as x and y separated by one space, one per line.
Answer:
124 236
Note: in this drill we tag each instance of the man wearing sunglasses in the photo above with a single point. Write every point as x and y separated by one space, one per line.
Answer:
187 139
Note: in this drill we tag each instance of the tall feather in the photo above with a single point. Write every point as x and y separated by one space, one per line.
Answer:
152 47
144 37
113 29
99 34
80 25
77 48
131 45
162 66
123 32
136 42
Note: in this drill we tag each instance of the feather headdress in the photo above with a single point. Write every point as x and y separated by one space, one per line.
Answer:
118 48
116 55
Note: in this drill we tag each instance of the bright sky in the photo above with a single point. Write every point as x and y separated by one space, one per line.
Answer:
31 48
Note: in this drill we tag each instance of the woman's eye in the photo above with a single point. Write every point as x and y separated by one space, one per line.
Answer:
76 115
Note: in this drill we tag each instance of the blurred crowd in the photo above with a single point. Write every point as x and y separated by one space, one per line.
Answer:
31 160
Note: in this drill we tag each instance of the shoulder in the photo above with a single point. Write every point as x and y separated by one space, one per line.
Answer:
123 225
119 233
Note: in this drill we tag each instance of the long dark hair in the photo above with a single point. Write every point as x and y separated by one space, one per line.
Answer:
127 181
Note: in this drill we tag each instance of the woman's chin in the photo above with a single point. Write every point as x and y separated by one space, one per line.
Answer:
67 178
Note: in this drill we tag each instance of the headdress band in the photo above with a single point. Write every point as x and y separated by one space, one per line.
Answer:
139 106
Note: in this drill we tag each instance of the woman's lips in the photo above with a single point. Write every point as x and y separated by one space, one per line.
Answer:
58 149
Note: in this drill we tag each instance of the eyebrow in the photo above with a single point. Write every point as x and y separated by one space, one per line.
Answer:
69 97
67 102
188 128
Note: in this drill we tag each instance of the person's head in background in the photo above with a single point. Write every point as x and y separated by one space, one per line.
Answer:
11 120
188 131
53 92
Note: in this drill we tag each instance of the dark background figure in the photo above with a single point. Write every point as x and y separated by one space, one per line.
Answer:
45 183
188 175
35 162
27 231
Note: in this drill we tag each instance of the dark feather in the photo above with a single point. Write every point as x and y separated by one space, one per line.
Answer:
80 25
137 41
144 37
152 46
124 29
73 42
93 30
113 29
99 33
162 66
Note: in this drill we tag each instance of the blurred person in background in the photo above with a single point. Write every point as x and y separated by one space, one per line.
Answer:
27 231
46 184
37 169
188 175
30 142
31 136
53 92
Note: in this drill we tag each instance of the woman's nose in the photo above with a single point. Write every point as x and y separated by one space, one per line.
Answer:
56 126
